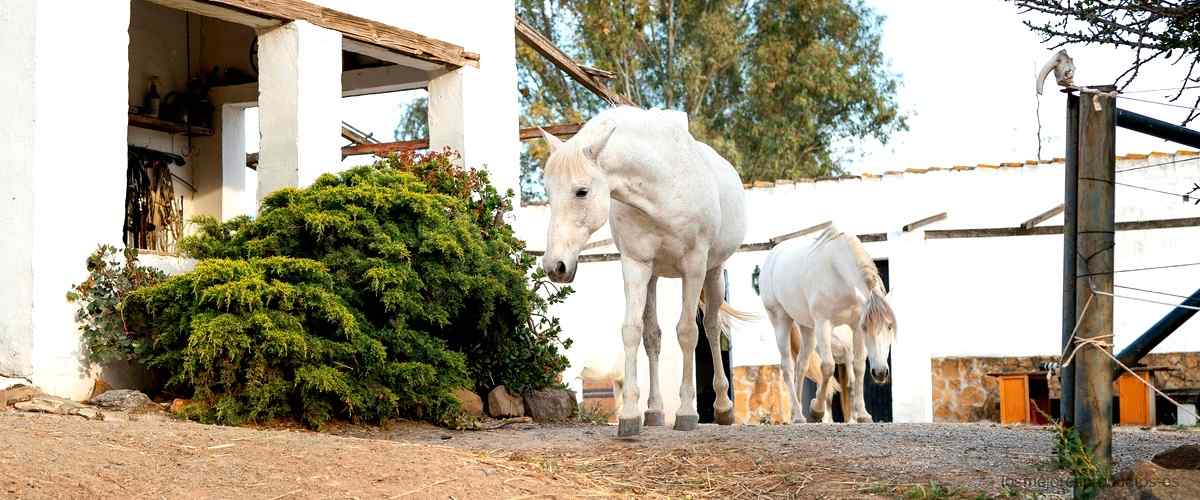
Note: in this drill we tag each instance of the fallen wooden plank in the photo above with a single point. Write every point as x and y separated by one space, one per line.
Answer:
924 222
563 62
1043 217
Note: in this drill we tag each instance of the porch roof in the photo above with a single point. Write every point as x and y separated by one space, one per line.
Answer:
377 39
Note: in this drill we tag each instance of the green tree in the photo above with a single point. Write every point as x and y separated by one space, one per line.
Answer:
414 124
774 85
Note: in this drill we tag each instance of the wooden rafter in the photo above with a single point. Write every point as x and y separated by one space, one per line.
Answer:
796 234
1043 217
264 13
924 222
384 148
588 77
992 232
526 134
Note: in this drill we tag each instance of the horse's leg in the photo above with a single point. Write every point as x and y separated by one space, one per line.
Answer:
860 368
808 342
687 418
652 341
845 380
714 289
824 331
637 277
783 338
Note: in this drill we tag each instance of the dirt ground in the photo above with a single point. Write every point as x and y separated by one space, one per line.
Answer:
152 456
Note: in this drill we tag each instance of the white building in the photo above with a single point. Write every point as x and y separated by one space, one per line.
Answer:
955 296
73 69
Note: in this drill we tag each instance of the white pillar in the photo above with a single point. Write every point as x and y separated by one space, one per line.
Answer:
912 385
474 110
300 90
233 162
57 203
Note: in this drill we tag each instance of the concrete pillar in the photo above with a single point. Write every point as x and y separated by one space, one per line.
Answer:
233 162
912 384
219 166
300 90
474 110
57 200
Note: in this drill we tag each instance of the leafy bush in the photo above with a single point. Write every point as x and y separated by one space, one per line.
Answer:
107 333
370 294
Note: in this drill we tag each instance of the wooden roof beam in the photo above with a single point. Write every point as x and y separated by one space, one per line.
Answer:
924 222
260 13
526 134
1042 217
796 234
562 61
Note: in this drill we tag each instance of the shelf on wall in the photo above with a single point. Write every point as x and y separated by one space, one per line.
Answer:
152 123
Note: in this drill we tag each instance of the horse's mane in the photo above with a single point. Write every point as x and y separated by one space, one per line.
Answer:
862 260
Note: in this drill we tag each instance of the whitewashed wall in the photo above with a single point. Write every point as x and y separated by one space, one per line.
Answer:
953 297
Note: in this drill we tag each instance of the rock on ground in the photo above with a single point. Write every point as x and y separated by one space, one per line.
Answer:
58 406
17 394
121 400
550 405
471 403
502 403
1172 474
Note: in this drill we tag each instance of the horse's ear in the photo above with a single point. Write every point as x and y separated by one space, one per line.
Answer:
594 150
551 139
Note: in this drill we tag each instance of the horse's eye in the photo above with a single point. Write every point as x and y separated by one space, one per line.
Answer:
581 193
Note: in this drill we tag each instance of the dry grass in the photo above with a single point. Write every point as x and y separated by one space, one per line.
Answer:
696 472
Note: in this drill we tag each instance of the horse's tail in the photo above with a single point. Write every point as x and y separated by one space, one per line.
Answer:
877 312
728 314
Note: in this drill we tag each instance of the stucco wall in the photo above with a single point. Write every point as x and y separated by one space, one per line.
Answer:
17 119
953 297
77 192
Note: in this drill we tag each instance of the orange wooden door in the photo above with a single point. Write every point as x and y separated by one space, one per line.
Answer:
1136 401
1014 399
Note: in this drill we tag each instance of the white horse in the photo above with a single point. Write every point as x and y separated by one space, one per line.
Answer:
677 210
816 287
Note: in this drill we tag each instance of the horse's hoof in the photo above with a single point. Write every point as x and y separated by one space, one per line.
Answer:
654 419
864 419
687 422
816 416
629 427
724 417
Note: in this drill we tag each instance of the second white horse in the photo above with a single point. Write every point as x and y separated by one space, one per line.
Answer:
815 288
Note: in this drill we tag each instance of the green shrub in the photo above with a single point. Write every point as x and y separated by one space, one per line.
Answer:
107 334
370 294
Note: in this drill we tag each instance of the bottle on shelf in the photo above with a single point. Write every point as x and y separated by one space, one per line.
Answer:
151 100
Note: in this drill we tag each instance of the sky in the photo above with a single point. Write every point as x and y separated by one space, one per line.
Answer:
967 71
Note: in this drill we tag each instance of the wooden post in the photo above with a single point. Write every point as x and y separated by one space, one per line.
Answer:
1093 369
1070 218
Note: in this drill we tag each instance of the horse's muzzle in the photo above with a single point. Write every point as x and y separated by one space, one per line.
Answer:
880 376
558 270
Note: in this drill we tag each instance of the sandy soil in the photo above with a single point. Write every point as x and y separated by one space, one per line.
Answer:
151 456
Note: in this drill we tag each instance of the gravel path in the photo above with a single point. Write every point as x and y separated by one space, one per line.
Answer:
47 456
844 460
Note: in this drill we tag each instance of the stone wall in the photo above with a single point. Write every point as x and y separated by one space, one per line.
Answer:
962 391
759 395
